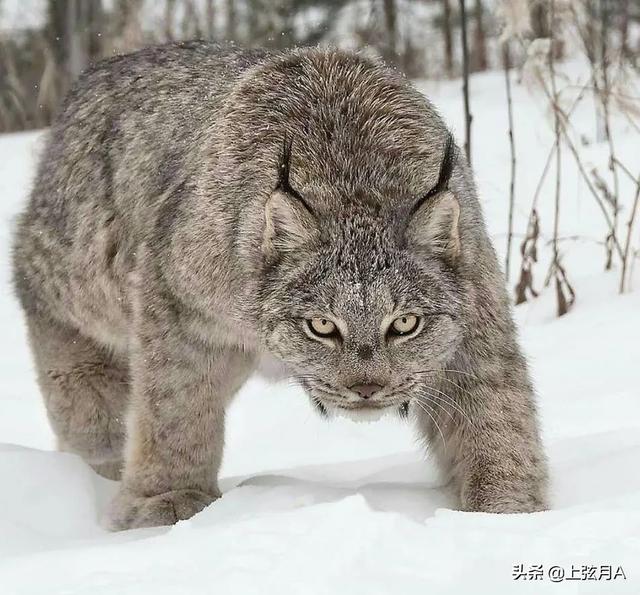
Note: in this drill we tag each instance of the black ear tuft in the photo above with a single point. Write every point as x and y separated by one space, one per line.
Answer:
434 218
449 158
284 168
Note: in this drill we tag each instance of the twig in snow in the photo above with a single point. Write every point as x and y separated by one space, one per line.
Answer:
627 244
506 58
529 253
564 302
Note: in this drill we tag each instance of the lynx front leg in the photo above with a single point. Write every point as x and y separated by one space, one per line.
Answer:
175 439
491 448
85 388
176 429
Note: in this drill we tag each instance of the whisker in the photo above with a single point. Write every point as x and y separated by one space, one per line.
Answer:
427 400
465 417
422 406
456 385
451 401
436 370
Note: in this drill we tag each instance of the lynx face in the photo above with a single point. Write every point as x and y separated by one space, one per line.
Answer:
337 327
364 306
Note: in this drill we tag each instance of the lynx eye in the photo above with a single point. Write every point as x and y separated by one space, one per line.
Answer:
322 327
403 325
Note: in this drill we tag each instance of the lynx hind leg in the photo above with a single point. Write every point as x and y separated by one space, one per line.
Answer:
85 391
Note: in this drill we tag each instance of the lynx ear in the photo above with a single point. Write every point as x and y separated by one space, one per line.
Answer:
434 225
288 224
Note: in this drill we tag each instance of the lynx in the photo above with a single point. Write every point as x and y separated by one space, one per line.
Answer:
198 207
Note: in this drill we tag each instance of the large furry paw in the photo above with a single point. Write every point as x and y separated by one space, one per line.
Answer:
129 511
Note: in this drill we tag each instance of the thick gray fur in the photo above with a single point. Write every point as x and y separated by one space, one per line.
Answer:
160 257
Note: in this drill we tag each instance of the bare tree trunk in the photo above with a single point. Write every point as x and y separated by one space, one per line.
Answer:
94 27
539 12
253 22
390 19
128 30
231 20
191 21
448 38
55 29
624 27
169 10
465 74
506 60
480 61
72 32
76 55
13 95
210 16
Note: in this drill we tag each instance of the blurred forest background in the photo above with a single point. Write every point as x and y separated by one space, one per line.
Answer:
45 44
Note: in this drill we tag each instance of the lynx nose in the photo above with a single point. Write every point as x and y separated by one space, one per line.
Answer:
365 390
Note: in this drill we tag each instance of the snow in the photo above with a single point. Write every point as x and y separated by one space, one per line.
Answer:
315 507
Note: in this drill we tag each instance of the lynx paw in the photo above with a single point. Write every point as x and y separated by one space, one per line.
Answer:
129 511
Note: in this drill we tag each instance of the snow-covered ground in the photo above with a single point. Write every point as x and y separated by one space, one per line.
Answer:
340 508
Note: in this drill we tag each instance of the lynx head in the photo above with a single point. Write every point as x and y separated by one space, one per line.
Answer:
362 300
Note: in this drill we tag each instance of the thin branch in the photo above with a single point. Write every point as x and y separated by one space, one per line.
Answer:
557 269
604 99
512 148
627 244
627 171
574 151
468 118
